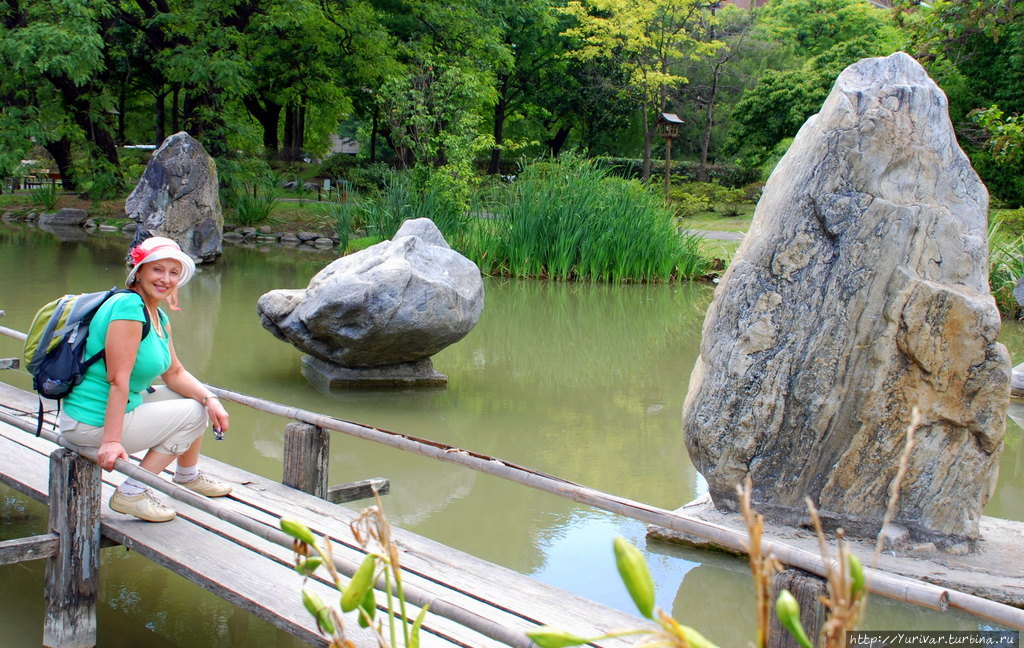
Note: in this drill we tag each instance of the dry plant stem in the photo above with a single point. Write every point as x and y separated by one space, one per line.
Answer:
844 607
894 487
762 567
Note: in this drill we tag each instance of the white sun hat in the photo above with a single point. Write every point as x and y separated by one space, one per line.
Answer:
157 248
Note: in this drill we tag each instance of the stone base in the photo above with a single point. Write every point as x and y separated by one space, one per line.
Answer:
1017 381
326 376
992 571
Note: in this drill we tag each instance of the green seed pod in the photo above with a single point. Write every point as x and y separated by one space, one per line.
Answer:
788 611
309 565
548 637
320 612
856 576
635 575
361 582
298 530
369 606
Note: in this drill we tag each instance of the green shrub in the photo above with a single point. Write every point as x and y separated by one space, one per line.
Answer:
727 175
336 167
1011 222
1005 267
370 178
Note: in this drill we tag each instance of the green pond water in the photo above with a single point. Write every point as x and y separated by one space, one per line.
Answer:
582 381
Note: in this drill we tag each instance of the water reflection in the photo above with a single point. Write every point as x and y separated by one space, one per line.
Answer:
582 381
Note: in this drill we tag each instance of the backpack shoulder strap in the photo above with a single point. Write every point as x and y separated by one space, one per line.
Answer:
146 326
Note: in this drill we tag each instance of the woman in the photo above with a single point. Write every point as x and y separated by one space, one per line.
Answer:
116 410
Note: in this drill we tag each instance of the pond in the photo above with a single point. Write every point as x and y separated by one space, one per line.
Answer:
582 381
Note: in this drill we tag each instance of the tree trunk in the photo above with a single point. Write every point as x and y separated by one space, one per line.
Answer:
204 121
645 170
709 123
374 130
290 150
500 108
556 142
160 115
60 151
268 114
174 111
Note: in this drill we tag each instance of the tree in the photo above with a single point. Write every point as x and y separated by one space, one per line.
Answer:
782 100
646 38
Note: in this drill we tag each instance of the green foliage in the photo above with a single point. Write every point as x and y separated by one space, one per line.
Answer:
373 532
336 167
728 175
1006 262
253 207
569 220
46 196
1005 134
343 217
688 198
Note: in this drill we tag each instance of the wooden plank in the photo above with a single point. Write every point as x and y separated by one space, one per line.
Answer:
224 561
357 490
30 548
307 453
485 588
72 575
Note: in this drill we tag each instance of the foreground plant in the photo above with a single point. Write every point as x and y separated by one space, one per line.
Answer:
373 532
845 601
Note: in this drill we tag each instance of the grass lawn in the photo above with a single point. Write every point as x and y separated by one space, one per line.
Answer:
716 222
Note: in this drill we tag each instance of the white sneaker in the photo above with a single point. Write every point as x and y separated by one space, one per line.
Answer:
144 506
206 486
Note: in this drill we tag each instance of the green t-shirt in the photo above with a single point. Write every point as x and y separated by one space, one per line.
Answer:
87 403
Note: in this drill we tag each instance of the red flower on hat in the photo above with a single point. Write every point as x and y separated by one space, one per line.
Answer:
138 254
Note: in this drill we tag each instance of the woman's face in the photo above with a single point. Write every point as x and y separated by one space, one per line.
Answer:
158 279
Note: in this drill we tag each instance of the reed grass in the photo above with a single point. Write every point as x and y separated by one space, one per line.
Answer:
1005 267
564 220
568 220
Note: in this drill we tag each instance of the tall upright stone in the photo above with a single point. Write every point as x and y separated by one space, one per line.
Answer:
178 197
860 292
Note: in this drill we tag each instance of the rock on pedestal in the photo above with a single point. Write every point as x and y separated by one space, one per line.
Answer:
376 315
860 292
178 197
327 376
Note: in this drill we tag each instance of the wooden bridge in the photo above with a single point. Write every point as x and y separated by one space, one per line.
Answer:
232 546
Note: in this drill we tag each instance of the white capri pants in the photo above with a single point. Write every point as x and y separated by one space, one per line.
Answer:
165 421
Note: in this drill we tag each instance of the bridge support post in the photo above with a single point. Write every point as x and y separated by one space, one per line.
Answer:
807 589
307 451
72 576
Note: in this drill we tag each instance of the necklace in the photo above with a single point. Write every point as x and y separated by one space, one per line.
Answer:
155 319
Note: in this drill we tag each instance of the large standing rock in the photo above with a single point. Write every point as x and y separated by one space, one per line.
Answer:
178 197
859 293
399 301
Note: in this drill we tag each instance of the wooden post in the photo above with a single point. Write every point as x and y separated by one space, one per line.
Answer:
307 451
72 576
807 589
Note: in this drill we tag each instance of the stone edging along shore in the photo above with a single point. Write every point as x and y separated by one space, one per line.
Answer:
233 234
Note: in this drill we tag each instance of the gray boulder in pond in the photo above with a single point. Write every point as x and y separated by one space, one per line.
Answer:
178 197
860 293
395 302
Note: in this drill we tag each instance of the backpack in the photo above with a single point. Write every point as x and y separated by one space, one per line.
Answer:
55 346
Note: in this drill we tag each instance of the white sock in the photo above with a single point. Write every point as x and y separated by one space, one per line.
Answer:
131 487
186 473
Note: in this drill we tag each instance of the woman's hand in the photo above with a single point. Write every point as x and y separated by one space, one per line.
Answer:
108 454
218 415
